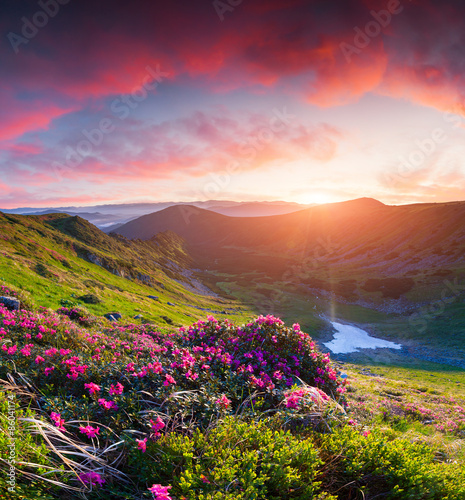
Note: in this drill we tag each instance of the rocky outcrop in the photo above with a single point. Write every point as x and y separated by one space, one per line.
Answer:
114 316
10 303
145 278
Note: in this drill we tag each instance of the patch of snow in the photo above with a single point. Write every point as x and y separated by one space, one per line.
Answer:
350 338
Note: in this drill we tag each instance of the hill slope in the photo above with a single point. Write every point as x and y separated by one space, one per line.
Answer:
397 269
66 260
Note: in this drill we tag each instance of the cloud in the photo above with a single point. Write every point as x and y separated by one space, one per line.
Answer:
282 44
90 53
190 146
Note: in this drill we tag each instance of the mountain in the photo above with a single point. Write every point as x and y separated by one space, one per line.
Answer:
360 232
398 270
109 216
66 260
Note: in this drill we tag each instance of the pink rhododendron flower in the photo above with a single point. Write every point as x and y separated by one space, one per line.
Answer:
169 380
142 444
157 425
160 492
223 401
116 390
59 422
93 478
49 370
89 431
108 405
93 388
12 350
39 360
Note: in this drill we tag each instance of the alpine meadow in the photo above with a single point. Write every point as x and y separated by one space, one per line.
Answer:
232 240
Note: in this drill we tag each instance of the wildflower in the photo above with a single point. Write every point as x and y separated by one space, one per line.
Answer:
352 422
157 425
292 402
73 374
26 350
39 360
108 405
59 422
116 390
93 388
223 401
366 433
160 492
92 477
49 370
89 431
169 380
142 444
192 375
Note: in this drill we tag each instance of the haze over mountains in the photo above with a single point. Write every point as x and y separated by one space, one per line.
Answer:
362 232
108 217
398 270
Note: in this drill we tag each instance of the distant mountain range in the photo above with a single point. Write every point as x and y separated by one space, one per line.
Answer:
109 217
362 232
399 270
337 247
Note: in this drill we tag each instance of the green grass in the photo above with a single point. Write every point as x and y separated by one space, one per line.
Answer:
61 246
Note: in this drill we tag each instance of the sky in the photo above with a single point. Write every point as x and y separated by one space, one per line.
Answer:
303 101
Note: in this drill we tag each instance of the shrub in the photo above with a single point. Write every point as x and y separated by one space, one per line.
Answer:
90 298
43 271
233 460
388 468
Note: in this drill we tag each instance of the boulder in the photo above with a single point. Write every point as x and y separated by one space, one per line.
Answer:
138 316
153 297
171 304
114 316
10 303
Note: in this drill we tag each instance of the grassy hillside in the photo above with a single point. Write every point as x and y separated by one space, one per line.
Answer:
63 260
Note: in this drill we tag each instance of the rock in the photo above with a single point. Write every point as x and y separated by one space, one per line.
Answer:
145 278
10 303
171 304
95 259
138 316
223 312
114 316
153 297
168 320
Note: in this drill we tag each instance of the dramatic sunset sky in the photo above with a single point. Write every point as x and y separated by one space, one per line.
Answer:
127 101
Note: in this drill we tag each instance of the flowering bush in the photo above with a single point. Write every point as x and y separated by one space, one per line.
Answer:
79 315
195 412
